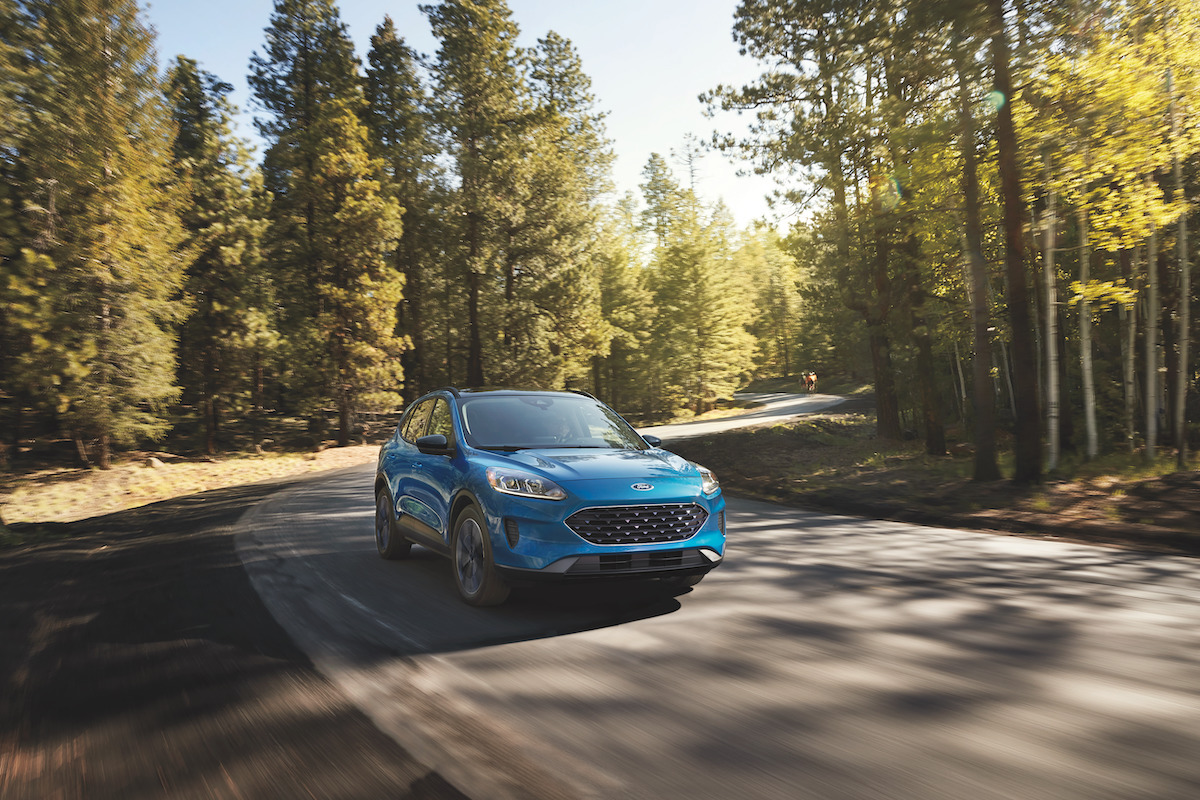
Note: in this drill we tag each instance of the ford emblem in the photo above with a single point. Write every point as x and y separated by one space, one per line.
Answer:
641 487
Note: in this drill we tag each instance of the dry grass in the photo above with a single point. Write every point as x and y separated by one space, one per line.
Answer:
66 495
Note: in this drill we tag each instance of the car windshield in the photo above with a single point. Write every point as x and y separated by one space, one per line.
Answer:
522 422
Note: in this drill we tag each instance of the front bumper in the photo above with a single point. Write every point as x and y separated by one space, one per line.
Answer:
532 542
678 563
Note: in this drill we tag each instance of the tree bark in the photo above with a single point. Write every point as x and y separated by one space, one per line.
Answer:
1128 318
1183 370
1027 429
1052 389
984 387
1153 313
887 405
1085 339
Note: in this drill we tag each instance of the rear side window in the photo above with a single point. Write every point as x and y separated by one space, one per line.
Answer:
414 426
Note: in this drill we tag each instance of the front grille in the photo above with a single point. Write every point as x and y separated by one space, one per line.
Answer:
638 524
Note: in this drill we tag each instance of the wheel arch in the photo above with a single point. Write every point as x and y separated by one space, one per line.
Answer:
463 499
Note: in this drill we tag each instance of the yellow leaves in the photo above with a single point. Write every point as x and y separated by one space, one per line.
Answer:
1104 294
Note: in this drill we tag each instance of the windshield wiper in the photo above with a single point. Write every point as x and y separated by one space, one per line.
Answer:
578 447
505 448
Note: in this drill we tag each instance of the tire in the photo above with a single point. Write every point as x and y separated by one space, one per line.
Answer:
388 541
471 557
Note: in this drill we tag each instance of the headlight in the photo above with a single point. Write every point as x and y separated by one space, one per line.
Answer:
523 484
708 482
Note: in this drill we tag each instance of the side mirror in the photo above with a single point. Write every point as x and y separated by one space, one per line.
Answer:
434 444
653 441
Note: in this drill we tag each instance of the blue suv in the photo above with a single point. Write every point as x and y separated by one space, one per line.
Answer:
521 486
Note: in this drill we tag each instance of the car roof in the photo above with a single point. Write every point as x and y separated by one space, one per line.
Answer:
507 391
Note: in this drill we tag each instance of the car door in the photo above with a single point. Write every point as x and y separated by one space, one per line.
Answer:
434 475
413 515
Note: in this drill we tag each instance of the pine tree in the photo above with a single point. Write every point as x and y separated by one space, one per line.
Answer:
701 344
774 280
552 326
354 225
100 165
662 195
332 222
398 117
308 61
481 111
621 370
223 217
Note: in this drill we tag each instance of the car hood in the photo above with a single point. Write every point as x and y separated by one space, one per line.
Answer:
596 464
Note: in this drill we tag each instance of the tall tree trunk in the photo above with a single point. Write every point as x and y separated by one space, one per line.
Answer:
1128 318
1085 339
1183 370
475 340
879 306
343 417
410 315
1153 314
962 384
909 254
1066 421
1050 275
208 403
887 405
341 357
1028 446
931 407
104 452
258 400
986 468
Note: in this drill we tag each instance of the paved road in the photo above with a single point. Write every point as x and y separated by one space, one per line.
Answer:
829 657
776 407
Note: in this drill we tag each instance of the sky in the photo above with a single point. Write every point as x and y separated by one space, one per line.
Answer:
649 60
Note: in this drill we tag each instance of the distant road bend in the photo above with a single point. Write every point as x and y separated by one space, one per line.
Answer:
829 657
776 407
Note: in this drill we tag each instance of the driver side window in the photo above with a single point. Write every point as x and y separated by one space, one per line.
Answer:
414 428
441 422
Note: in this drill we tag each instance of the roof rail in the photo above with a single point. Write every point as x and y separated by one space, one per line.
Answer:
451 389
582 392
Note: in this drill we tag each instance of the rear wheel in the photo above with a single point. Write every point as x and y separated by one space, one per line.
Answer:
471 553
391 545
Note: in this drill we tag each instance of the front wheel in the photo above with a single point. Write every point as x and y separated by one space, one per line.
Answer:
390 544
471 552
